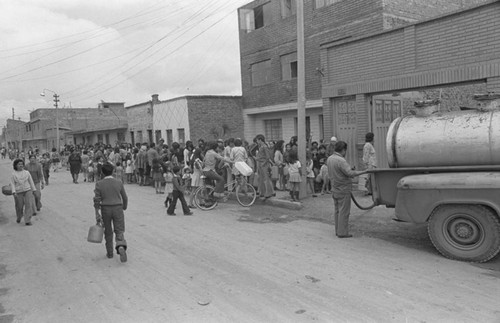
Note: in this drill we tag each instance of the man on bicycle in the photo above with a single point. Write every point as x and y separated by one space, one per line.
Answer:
210 161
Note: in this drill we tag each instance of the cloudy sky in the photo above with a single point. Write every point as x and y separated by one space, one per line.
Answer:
115 50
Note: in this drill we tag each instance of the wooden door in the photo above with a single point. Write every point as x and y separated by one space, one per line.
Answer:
346 126
384 112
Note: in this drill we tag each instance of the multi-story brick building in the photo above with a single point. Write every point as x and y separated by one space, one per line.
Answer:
268 50
207 117
449 57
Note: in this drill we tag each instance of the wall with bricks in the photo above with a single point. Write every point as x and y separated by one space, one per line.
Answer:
326 25
213 117
456 48
140 121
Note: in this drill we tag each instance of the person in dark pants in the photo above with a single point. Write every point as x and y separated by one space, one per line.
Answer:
75 164
178 193
340 173
110 197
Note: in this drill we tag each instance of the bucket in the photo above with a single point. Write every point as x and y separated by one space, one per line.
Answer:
96 233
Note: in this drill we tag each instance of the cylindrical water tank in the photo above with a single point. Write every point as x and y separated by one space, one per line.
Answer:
458 138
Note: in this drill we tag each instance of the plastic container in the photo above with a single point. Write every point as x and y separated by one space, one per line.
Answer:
96 233
243 168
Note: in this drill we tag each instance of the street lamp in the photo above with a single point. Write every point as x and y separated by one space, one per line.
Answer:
56 101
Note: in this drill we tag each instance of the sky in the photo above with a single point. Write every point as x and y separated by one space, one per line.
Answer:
88 51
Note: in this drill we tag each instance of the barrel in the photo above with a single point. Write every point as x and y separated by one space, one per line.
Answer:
458 138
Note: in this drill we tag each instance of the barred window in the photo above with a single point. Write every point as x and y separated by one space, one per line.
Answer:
273 129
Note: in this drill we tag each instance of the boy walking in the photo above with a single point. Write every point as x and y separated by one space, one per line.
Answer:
110 197
177 193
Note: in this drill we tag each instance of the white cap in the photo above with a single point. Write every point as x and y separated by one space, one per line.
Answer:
333 139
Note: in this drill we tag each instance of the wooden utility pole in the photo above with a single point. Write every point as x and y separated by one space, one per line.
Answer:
301 98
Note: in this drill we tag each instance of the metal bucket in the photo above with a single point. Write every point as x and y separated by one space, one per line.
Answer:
96 233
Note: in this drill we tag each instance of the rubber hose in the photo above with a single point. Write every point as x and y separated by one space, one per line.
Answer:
362 207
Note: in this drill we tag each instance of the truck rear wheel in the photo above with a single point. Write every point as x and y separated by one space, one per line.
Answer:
465 232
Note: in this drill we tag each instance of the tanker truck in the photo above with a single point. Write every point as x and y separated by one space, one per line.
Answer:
444 170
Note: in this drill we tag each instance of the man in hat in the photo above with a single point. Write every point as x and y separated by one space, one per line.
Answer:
331 146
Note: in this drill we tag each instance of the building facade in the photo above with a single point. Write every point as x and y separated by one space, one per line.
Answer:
207 117
106 124
268 52
450 57
140 126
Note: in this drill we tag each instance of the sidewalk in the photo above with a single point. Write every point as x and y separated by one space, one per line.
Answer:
320 207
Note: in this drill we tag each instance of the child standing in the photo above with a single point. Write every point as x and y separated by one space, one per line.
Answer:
156 172
98 169
177 193
310 173
91 171
119 171
168 176
129 170
295 174
324 176
111 199
196 176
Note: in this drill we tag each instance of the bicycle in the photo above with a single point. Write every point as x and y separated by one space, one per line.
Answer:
204 198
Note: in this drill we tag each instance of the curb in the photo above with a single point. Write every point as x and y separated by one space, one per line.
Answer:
278 202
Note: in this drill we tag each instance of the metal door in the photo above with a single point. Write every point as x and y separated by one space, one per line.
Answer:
346 126
384 112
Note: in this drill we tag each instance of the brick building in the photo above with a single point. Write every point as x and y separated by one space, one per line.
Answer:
207 117
140 126
76 126
450 56
269 60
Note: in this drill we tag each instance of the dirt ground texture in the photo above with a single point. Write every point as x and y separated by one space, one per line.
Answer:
231 264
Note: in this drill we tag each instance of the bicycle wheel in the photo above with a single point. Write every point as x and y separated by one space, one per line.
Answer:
204 198
246 194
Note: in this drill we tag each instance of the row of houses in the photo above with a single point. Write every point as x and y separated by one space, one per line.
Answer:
366 61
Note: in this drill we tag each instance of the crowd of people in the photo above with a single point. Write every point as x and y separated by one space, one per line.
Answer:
174 169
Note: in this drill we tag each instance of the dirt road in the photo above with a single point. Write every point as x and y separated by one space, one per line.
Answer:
229 265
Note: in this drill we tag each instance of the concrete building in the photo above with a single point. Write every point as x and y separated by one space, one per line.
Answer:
268 50
207 117
106 124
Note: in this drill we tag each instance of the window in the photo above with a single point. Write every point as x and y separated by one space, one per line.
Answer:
251 19
132 138
181 135
261 73
157 136
321 127
99 138
308 127
289 66
107 139
324 3
121 137
272 129
150 136
169 137
288 8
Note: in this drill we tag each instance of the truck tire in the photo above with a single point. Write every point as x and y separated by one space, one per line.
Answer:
465 232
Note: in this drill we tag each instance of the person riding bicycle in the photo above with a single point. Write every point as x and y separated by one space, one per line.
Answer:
209 170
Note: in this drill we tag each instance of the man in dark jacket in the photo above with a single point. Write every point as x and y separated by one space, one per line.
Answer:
110 197
75 164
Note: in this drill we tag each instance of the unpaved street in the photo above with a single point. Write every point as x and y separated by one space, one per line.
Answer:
231 264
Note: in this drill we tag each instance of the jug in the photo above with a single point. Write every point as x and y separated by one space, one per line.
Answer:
96 233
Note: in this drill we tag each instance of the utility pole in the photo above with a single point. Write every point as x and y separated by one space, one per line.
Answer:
301 98
56 101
